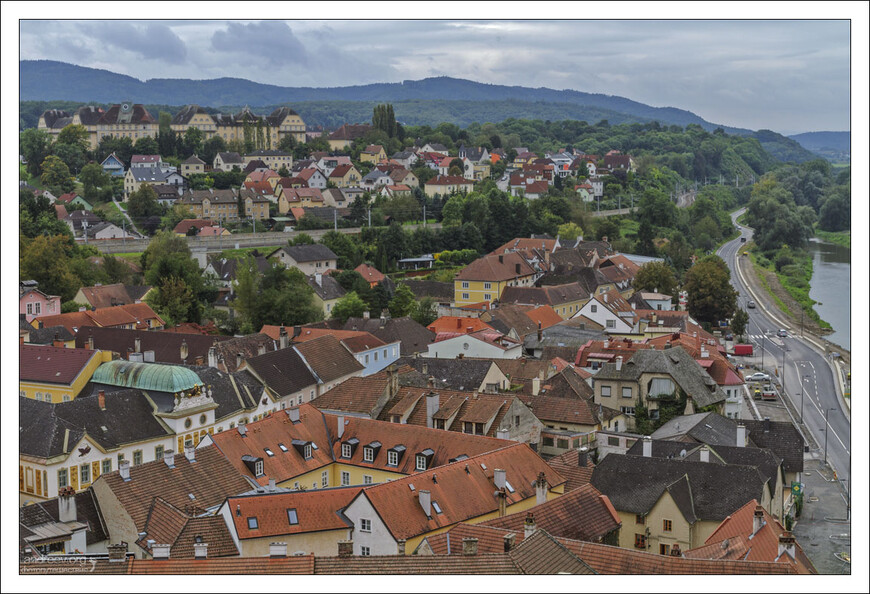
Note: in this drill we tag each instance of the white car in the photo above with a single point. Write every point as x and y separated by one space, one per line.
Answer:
758 377
783 333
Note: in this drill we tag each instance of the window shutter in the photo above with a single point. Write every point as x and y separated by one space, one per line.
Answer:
95 470
74 477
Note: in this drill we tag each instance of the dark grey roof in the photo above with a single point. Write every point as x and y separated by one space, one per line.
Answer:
46 429
310 252
709 428
47 335
560 340
675 362
231 157
87 512
233 392
414 337
247 346
225 268
634 484
681 491
782 438
167 346
284 371
328 287
187 112
449 374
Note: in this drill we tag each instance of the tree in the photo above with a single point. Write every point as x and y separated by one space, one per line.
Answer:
739 322
711 296
146 146
117 270
403 302
211 147
247 290
283 171
166 137
47 261
655 277
569 231
191 143
287 144
384 119
36 216
93 178
349 306
34 145
343 247
301 239
55 174
76 135
143 203
174 301
425 312
72 154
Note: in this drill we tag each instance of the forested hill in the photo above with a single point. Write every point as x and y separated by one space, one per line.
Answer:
46 80
834 146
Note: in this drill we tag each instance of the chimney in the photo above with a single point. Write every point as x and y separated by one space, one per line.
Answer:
117 552
160 551
243 431
200 550
293 413
190 452
271 484
261 349
583 457
393 380
239 358
277 549
340 426
741 435
212 357
101 399
366 315
705 354
425 368
318 278
786 544
647 446
57 342
536 386
425 498
502 434
529 525
509 541
502 502
91 345
169 458
430 383
283 339
400 546
757 519
619 363
137 344
433 403
766 424
499 477
66 505
705 454
469 546
540 332
183 349
541 489
605 298
80 309
607 343
124 469
458 323
501 258
345 548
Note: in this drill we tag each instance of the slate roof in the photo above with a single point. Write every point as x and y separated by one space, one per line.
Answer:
51 365
139 115
328 287
442 292
675 362
87 512
782 438
635 483
227 196
451 374
360 395
48 334
309 252
166 345
284 371
229 158
541 554
227 351
414 337
232 392
579 411
210 479
46 430
350 132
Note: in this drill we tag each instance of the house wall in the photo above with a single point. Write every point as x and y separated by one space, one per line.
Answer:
377 358
323 543
453 347
466 292
119 524
528 429
40 305
56 392
597 311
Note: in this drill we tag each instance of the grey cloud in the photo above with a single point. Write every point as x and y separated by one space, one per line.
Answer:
270 41
149 40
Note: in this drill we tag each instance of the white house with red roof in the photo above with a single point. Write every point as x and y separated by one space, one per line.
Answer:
611 310
486 344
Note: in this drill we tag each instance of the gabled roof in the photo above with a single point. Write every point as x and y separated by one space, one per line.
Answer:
426 288
359 395
370 273
329 359
328 288
458 324
316 510
167 346
249 346
166 524
449 180
581 514
451 374
185 225
283 371
568 465
496 268
350 132
229 158
137 314
463 490
87 512
308 252
414 337
51 365
210 479
522 318
577 411
540 553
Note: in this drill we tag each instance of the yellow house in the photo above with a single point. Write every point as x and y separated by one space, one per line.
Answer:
448 184
127 120
194 116
486 278
345 176
342 137
373 153
273 159
54 374
192 165
287 122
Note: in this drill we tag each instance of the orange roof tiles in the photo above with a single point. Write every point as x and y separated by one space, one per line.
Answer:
496 267
568 465
463 490
544 314
315 511
357 395
370 273
458 324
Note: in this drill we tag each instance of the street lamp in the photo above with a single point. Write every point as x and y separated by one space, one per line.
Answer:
803 390
826 433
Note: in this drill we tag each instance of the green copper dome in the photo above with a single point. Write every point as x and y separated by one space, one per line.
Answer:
146 376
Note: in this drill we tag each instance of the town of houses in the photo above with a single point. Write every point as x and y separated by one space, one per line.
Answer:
500 438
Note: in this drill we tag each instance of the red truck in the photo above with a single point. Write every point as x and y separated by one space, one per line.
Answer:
743 349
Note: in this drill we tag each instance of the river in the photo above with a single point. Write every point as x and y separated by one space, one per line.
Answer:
831 286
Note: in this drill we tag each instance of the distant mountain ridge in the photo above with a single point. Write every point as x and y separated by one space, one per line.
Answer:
45 80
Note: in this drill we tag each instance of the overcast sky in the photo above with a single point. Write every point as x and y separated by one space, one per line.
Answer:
788 76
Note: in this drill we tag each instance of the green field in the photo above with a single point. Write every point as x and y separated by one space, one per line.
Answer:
843 238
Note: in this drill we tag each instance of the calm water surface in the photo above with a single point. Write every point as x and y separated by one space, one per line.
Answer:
831 285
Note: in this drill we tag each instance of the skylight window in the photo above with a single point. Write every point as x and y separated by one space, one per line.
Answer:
292 517
509 487
269 452
283 447
436 507
411 486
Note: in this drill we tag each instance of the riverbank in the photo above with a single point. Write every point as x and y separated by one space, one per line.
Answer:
790 289
843 238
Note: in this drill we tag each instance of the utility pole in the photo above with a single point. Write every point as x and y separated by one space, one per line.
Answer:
827 410
370 216
335 219
424 215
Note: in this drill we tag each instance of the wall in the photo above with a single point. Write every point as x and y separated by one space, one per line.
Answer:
322 544
119 524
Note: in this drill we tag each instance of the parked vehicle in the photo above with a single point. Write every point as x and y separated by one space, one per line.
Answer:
758 376
729 336
744 350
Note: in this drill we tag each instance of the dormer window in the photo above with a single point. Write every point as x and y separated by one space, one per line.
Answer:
307 453
346 451
421 462
368 454
259 471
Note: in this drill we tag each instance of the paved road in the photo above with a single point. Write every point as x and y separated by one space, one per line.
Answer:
808 374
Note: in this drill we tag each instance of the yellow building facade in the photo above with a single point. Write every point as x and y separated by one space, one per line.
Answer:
54 393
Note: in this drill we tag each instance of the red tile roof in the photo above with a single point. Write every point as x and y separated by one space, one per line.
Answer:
370 273
300 194
496 268
568 465
185 225
544 314
458 324
135 314
263 188
560 410
449 180
167 524
51 365
316 510
341 171
463 490
355 395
